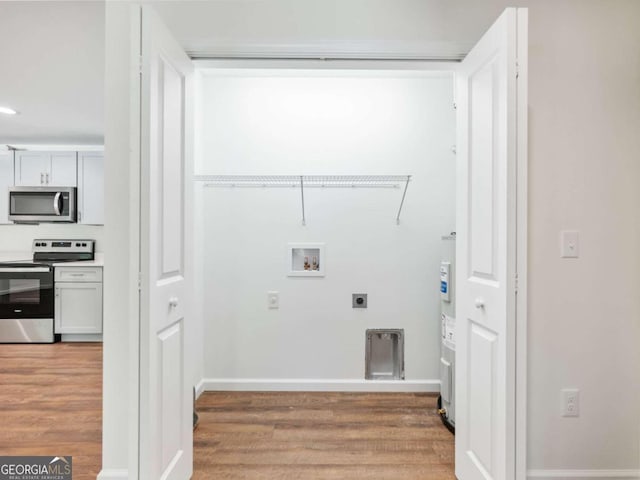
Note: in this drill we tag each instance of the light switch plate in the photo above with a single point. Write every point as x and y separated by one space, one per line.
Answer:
273 300
569 244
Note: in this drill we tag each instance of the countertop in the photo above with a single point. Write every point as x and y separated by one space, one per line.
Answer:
97 262
16 256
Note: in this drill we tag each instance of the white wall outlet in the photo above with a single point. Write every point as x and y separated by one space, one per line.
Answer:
569 244
570 402
273 300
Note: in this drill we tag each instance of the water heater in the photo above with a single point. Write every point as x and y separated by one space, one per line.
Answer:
446 402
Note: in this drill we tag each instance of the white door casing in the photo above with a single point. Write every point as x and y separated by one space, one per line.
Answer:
166 306
487 105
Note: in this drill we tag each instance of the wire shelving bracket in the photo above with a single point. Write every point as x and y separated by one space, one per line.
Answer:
310 181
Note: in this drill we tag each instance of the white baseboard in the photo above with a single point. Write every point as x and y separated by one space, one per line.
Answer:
317 385
583 474
200 388
113 474
81 337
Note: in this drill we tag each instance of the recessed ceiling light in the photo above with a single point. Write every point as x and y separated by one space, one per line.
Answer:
7 111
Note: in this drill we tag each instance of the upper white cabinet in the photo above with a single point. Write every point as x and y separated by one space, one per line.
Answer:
91 188
45 169
6 181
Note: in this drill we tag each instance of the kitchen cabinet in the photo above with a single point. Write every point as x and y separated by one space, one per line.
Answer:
78 302
91 188
45 169
6 181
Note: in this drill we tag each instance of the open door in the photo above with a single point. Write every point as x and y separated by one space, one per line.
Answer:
489 102
166 270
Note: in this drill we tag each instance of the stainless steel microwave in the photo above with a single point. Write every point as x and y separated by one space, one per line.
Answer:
42 204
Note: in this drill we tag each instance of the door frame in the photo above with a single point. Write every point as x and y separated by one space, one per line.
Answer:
442 66
299 60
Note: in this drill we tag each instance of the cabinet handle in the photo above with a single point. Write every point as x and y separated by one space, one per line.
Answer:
47 176
41 178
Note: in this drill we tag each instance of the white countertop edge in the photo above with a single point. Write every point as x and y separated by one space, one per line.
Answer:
97 262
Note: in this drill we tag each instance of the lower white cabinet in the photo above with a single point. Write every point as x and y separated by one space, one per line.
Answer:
78 302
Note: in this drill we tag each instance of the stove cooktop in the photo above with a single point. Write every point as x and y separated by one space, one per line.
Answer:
47 252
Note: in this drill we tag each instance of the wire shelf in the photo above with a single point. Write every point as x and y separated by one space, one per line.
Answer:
309 181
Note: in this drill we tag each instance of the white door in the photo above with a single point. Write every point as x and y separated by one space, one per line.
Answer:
166 433
487 99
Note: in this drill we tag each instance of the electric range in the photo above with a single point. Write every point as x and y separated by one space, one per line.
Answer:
27 286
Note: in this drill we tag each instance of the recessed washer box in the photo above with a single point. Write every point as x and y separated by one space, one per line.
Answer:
384 357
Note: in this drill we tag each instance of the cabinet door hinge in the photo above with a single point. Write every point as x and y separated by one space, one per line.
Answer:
517 70
139 281
516 283
140 64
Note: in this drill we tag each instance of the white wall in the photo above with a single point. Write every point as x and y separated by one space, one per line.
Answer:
324 124
584 328
18 238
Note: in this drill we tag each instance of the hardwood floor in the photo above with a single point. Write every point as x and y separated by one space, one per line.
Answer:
51 403
251 435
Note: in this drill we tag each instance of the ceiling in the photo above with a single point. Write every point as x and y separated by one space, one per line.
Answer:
52 53
52 64
409 28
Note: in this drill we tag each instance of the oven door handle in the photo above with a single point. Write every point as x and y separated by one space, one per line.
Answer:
56 203
25 270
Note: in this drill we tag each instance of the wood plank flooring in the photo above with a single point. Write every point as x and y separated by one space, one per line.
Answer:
283 435
51 403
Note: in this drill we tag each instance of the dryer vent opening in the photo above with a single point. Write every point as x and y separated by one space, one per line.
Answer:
384 358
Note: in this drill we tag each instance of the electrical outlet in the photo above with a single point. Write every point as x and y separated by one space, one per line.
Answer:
273 300
359 300
570 402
